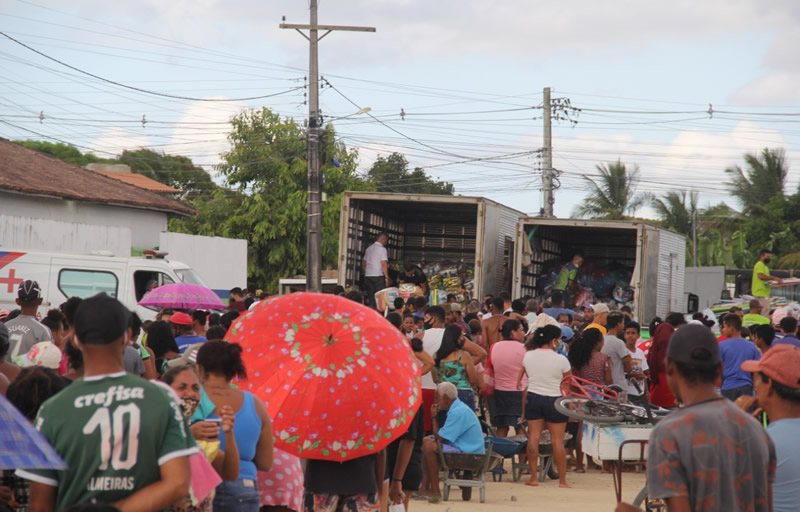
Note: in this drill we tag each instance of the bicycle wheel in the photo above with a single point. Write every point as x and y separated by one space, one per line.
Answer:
593 411
640 498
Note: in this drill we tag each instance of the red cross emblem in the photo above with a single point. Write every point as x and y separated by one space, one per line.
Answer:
11 281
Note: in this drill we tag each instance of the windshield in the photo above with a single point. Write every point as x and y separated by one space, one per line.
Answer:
188 275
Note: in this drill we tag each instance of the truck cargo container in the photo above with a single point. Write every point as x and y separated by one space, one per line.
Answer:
655 258
426 229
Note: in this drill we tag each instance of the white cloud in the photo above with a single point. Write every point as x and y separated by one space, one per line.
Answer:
204 142
450 27
117 139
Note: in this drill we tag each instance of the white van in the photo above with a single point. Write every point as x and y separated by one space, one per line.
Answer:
61 276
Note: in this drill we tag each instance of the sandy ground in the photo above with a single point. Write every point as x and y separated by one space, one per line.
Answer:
591 491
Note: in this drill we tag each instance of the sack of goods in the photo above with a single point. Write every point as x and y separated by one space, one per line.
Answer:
384 299
407 290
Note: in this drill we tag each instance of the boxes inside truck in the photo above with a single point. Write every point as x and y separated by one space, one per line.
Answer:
464 245
609 261
439 238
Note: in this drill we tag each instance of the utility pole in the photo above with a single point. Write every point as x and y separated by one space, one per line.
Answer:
694 237
547 167
314 222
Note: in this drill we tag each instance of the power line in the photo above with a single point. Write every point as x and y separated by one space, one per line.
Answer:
138 89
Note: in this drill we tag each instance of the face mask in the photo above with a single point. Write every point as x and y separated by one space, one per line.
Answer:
427 325
766 261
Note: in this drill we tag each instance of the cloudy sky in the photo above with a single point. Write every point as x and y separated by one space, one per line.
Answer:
681 89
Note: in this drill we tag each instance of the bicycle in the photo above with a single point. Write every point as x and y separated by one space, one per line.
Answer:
581 400
587 401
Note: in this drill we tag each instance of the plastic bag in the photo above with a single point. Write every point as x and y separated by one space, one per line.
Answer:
385 298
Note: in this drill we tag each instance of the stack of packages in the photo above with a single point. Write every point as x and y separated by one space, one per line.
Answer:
443 280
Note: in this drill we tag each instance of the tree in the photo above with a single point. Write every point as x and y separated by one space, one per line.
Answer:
764 178
613 196
390 174
66 152
267 167
176 171
674 212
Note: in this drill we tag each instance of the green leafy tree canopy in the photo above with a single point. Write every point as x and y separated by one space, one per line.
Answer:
266 166
764 178
66 152
674 212
391 174
613 194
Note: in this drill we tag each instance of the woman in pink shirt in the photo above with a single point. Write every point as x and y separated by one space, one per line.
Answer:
504 364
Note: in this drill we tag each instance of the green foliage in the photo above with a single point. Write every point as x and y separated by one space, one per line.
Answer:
763 179
391 174
674 212
266 166
176 171
65 152
714 249
613 195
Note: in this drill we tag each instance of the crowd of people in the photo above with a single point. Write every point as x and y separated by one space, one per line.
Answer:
82 374
504 362
139 411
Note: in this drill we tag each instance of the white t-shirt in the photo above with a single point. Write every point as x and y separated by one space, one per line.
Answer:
639 362
545 369
376 253
616 350
431 341
531 317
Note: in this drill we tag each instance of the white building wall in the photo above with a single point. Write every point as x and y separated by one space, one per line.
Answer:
221 262
51 235
144 225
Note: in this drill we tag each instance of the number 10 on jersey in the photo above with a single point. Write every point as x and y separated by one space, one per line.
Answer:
113 435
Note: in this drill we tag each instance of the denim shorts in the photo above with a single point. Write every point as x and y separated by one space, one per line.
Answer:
237 496
538 407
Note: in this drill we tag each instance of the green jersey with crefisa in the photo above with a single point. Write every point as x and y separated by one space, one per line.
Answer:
113 431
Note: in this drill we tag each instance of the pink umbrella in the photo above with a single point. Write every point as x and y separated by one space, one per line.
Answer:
182 296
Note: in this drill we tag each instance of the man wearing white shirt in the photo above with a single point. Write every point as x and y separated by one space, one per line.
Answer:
375 266
434 318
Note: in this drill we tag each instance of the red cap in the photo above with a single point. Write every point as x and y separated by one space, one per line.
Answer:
780 363
181 318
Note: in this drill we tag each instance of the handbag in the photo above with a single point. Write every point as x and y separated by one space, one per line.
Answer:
487 384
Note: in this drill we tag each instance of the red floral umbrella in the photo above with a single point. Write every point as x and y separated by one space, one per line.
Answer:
338 380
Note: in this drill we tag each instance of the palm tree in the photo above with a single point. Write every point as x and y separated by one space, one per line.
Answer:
613 196
764 178
674 213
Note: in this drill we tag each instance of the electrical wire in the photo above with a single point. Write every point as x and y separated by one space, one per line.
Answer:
139 89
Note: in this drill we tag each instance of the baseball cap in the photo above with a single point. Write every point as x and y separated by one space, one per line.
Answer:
44 353
181 318
687 339
455 307
600 308
588 306
29 291
100 320
567 333
780 363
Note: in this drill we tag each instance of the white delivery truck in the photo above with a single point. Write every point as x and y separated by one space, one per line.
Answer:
61 276
430 229
653 257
